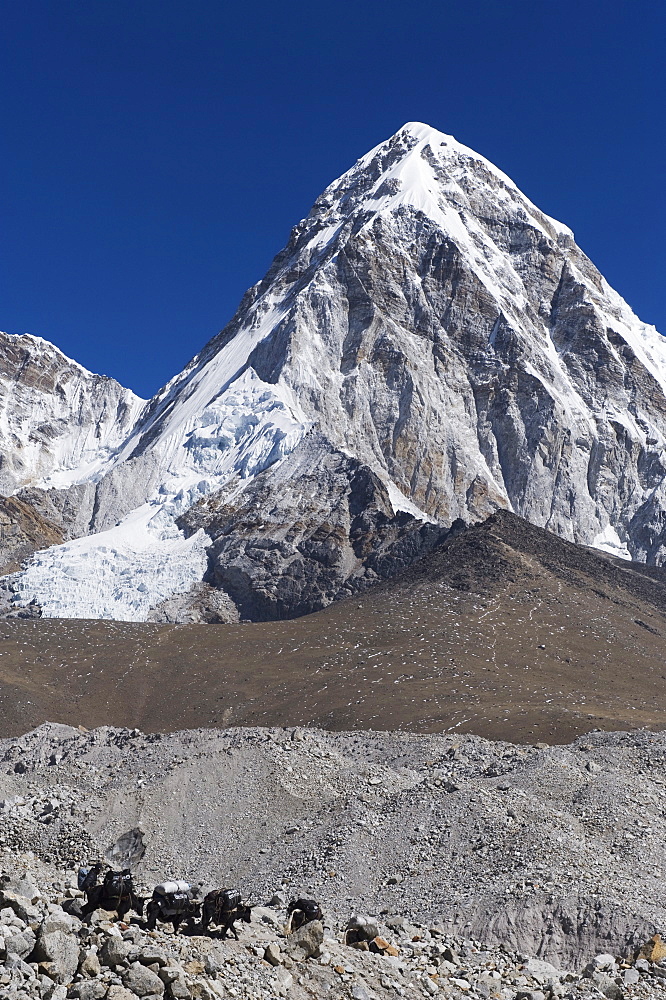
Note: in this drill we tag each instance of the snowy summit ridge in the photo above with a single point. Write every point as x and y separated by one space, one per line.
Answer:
426 323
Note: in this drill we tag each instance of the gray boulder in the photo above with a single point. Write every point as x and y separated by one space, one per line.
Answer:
21 905
92 990
20 943
142 981
306 941
114 950
60 949
542 971
178 989
89 964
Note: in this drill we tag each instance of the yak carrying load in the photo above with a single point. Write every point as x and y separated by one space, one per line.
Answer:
176 902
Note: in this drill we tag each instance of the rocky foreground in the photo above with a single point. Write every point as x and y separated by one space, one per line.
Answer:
470 856
47 952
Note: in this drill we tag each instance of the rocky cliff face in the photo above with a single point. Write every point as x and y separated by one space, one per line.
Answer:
310 530
22 531
59 424
430 324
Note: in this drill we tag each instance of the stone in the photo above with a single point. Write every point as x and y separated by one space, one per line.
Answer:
58 920
13 962
631 976
60 949
21 906
120 993
178 989
195 967
429 985
142 981
98 916
306 941
604 963
151 954
654 950
89 964
169 972
20 943
283 979
272 953
213 963
381 946
542 971
114 951
92 990
55 993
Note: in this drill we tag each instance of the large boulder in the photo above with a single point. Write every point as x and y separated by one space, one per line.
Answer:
59 949
306 941
89 964
21 905
20 943
91 990
114 950
142 981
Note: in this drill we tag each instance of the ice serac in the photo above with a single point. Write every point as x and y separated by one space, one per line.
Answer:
429 325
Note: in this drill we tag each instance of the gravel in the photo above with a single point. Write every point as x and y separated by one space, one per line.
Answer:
527 848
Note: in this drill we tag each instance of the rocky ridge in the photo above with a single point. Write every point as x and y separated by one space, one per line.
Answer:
59 423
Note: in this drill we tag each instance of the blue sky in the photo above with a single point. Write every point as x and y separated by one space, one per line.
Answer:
156 153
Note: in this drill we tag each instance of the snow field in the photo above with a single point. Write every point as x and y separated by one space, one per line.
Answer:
125 571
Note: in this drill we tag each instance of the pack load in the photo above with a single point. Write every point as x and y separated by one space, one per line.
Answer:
169 888
118 884
173 897
81 877
230 900
310 908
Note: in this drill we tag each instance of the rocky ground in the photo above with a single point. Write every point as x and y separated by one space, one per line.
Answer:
551 852
47 952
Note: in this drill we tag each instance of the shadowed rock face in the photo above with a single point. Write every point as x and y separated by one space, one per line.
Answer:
22 531
314 529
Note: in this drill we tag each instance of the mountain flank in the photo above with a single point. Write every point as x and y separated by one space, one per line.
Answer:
505 630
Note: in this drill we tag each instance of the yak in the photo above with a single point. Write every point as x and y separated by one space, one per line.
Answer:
116 892
223 907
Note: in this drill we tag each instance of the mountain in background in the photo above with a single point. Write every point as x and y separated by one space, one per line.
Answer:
428 348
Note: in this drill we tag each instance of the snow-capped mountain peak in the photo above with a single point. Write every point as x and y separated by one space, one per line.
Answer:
426 322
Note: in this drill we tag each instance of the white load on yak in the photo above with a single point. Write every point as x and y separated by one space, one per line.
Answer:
172 888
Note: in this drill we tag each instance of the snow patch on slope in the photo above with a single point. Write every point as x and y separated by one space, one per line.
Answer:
609 541
125 571
400 502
